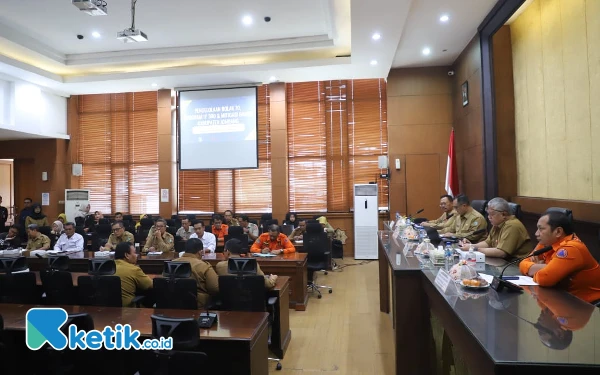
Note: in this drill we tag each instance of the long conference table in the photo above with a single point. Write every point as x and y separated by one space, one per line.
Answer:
464 331
292 265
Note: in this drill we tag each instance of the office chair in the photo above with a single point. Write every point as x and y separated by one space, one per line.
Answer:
480 206
172 231
182 359
244 290
565 211
57 282
235 230
45 230
146 224
243 238
287 229
17 283
515 209
176 289
316 246
100 236
101 287
315 229
263 224
170 223
79 221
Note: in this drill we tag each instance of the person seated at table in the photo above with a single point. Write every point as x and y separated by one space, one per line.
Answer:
298 232
118 235
10 240
37 216
273 242
467 223
205 276
118 217
448 214
233 249
209 241
69 240
249 228
328 228
37 240
291 219
229 220
508 237
186 230
159 239
218 228
57 231
62 218
133 279
568 265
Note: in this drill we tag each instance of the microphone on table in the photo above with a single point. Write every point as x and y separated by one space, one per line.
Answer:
498 284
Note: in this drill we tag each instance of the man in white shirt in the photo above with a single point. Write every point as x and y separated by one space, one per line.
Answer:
208 239
70 241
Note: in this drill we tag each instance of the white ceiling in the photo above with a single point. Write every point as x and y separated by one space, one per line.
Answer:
11 135
202 42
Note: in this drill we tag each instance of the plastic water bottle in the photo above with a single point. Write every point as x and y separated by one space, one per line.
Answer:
448 255
471 258
397 216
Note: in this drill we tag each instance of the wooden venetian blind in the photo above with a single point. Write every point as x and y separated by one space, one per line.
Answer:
243 190
119 151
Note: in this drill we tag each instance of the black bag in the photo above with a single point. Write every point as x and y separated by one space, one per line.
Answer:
337 249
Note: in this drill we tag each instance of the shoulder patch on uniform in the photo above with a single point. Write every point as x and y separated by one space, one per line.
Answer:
475 223
561 253
562 321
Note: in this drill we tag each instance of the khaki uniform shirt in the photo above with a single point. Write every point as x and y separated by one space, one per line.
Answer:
132 280
466 224
113 240
443 221
165 243
233 223
222 266
43 222
510 237
205 276
37 243
296 232
185 235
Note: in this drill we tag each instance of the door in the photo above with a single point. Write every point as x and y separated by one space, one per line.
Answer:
423 185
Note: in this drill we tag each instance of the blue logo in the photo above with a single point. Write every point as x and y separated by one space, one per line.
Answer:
43 325
562 253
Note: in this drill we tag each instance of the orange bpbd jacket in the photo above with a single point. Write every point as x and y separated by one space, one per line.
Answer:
571 266
221 233
264 242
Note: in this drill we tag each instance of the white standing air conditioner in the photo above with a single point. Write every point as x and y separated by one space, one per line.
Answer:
365 221
74 200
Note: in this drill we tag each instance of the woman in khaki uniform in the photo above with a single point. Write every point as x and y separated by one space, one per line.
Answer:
37 217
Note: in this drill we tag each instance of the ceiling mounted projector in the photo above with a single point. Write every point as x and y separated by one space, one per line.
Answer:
91 7
131 34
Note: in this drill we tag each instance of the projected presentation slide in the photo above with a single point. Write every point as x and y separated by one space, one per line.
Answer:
218 129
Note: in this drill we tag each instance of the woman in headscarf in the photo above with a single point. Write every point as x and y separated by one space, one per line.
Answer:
93 221
290 219
57 230
137 226
62 218
36 217
323 221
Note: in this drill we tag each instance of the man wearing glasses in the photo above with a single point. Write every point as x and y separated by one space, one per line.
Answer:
118 235
69 241
448 214
159 239
469 223
508 237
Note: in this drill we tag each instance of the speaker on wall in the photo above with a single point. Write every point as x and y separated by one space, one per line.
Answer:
77 169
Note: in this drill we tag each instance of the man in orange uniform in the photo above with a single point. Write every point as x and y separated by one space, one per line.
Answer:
273 242
569 265
218 228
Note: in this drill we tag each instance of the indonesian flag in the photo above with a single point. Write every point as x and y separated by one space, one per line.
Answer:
451 174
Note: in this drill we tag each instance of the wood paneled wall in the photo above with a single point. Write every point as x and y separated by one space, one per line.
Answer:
468 121
556 62
419 126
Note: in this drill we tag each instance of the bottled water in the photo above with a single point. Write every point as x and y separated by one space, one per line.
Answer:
471 258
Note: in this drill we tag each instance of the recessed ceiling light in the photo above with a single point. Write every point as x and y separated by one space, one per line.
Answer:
247 20
426 51
154 85
273 78
373 62
96 34
376 36
444 18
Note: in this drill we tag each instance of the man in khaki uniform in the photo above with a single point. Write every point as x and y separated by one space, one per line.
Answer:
233 248
205 276
508 237
448 214
37 241
297 233
118 235
159 239
133 279
467 222
229 220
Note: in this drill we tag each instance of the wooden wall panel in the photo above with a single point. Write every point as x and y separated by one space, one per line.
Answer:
593 48
424 191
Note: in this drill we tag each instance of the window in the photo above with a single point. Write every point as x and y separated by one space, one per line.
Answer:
118 148
243 190
336 132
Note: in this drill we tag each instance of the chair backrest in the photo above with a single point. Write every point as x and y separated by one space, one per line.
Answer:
171 222
242 266
480 206
184 331
243 238
13 264
316 245
45 230
314 227
103 230
127 218
146 224
19 288
104 221
515 209
101 267
242 293
173 293
99 291
58 263
172 231
178 270
58 286
235 230
83 322
562 210
286 229
80 230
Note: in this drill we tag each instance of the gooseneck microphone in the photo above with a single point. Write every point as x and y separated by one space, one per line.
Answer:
498 284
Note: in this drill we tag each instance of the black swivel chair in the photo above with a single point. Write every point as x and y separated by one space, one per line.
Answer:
176 289
100 236
244 290
237 232
57 282
562 210
515 209
17 283
316 245
263 225
183 359
480 206
45 230
101 287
